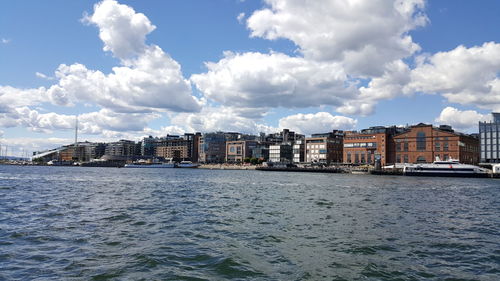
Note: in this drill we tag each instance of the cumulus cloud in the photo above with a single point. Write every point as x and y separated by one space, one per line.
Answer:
11 98
5 41
339 43
147 81
222 118
466 76
320 122
363 34
153 81
466 119
272 80
122 30
100 122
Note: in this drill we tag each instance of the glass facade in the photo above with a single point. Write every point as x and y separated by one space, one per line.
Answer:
489 135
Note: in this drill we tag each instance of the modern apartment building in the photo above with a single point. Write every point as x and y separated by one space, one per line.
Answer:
121 148
212 146
237 151
324 148
299 151
282 153
422 143
489 133
183 148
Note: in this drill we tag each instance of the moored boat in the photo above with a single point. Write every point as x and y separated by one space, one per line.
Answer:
145 164
448 168
186 164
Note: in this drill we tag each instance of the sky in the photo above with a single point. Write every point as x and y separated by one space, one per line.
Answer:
130 69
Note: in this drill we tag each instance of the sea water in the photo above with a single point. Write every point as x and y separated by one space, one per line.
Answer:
75 223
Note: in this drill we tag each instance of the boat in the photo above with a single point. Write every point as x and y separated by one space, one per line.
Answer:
447 168
145 164
186 164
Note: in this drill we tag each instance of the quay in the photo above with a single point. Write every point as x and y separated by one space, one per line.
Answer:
303 169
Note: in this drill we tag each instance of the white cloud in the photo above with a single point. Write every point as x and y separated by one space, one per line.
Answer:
5 41
148 80
240 17
122 30
153 81
1 133
273 80
104 122
320 122
43 76
363 34
467 76
221 118
467 119
11 98
26 146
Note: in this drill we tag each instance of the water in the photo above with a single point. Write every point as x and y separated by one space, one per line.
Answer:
75 223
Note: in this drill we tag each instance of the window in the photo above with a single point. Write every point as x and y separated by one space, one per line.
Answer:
362 157
438 146
420 141
398 158
421 159
445 146
405 158
348 157
405 146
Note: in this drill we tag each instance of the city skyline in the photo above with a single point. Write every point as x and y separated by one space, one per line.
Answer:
130 69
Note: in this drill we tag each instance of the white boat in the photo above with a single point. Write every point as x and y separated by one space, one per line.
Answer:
187 164
145 164
156 165
448 168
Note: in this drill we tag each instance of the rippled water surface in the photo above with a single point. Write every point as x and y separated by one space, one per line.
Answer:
192 224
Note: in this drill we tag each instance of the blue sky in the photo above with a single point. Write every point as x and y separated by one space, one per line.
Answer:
308 66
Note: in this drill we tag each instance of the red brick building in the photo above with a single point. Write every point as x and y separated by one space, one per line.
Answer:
422 143
365 148
368 145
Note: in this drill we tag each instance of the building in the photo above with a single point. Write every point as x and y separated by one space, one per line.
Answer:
237 151
324 148
183 148
212 146
370 145
261 152
281 153
148 146
299 151
121 148
489 134
285 136
422 143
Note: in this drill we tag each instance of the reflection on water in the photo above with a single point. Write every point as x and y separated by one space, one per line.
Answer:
193 224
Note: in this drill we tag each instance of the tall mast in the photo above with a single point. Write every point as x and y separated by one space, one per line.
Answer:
76 138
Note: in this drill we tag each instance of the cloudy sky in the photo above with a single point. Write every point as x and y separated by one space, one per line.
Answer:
135 68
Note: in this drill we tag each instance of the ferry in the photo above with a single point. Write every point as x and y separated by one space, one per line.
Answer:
186 164
447 168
